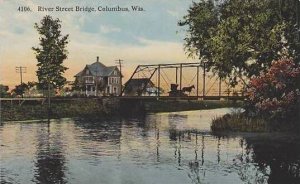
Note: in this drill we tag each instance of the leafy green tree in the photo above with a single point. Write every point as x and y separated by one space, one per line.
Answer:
20 89
238 38
201 20
51 53
77 85
31 84
4 91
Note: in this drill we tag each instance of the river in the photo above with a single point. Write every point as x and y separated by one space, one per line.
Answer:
161 148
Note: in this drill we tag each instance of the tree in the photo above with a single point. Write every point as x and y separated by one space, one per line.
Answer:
51 53
4 91
239 38
275 93
20 89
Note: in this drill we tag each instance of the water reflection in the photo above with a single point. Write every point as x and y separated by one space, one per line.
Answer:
158 148
50 159
277 157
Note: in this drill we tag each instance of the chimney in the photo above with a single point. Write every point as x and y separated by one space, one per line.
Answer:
97 58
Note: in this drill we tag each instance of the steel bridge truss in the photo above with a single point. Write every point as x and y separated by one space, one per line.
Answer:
178 67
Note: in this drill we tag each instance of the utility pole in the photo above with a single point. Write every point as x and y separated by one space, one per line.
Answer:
119 61
21 70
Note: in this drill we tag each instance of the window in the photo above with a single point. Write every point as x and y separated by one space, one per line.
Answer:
89 79
113 80
87 72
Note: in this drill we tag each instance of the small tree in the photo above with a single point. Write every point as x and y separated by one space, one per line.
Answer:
51 53
275 93
4 91
20 89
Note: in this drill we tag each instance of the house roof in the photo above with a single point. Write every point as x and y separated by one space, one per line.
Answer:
98 69
139 82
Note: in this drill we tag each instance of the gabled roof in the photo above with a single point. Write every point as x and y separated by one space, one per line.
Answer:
98 69
139 82
78 74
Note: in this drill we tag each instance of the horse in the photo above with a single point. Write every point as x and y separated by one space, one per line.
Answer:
188 89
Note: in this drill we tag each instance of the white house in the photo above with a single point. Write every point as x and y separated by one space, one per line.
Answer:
97 79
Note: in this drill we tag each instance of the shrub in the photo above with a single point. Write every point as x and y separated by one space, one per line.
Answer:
275 93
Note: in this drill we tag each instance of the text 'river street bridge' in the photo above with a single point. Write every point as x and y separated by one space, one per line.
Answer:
178 80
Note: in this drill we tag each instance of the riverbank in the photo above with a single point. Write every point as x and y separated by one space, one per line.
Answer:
99 108
239 122
60 108
184 105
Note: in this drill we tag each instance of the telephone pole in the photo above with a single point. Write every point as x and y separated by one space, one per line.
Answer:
119 61
21 70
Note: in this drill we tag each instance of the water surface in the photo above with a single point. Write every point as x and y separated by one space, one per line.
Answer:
161 148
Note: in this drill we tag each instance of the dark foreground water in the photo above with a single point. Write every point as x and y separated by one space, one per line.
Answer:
165 148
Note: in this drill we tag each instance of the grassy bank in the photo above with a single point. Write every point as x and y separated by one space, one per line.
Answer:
239 122
59 109
183 105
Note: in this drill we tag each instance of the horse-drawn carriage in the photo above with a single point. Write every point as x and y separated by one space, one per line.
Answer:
179 93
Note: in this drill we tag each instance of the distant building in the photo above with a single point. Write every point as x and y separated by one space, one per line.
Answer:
97 79
140 86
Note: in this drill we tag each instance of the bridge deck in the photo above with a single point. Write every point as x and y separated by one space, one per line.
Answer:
134 97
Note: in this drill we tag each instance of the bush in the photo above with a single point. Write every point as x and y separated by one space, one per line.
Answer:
275 93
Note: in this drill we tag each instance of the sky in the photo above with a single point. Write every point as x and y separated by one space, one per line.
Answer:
146 37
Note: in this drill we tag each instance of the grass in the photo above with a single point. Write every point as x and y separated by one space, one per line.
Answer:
59 109
238 122
183 105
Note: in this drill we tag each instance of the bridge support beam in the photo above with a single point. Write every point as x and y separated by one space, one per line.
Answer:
135 71
158 80
220 86
197 85
176 75
180 80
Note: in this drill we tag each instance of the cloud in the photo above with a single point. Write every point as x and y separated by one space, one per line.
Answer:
146 38
109 29
173 13
152 52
